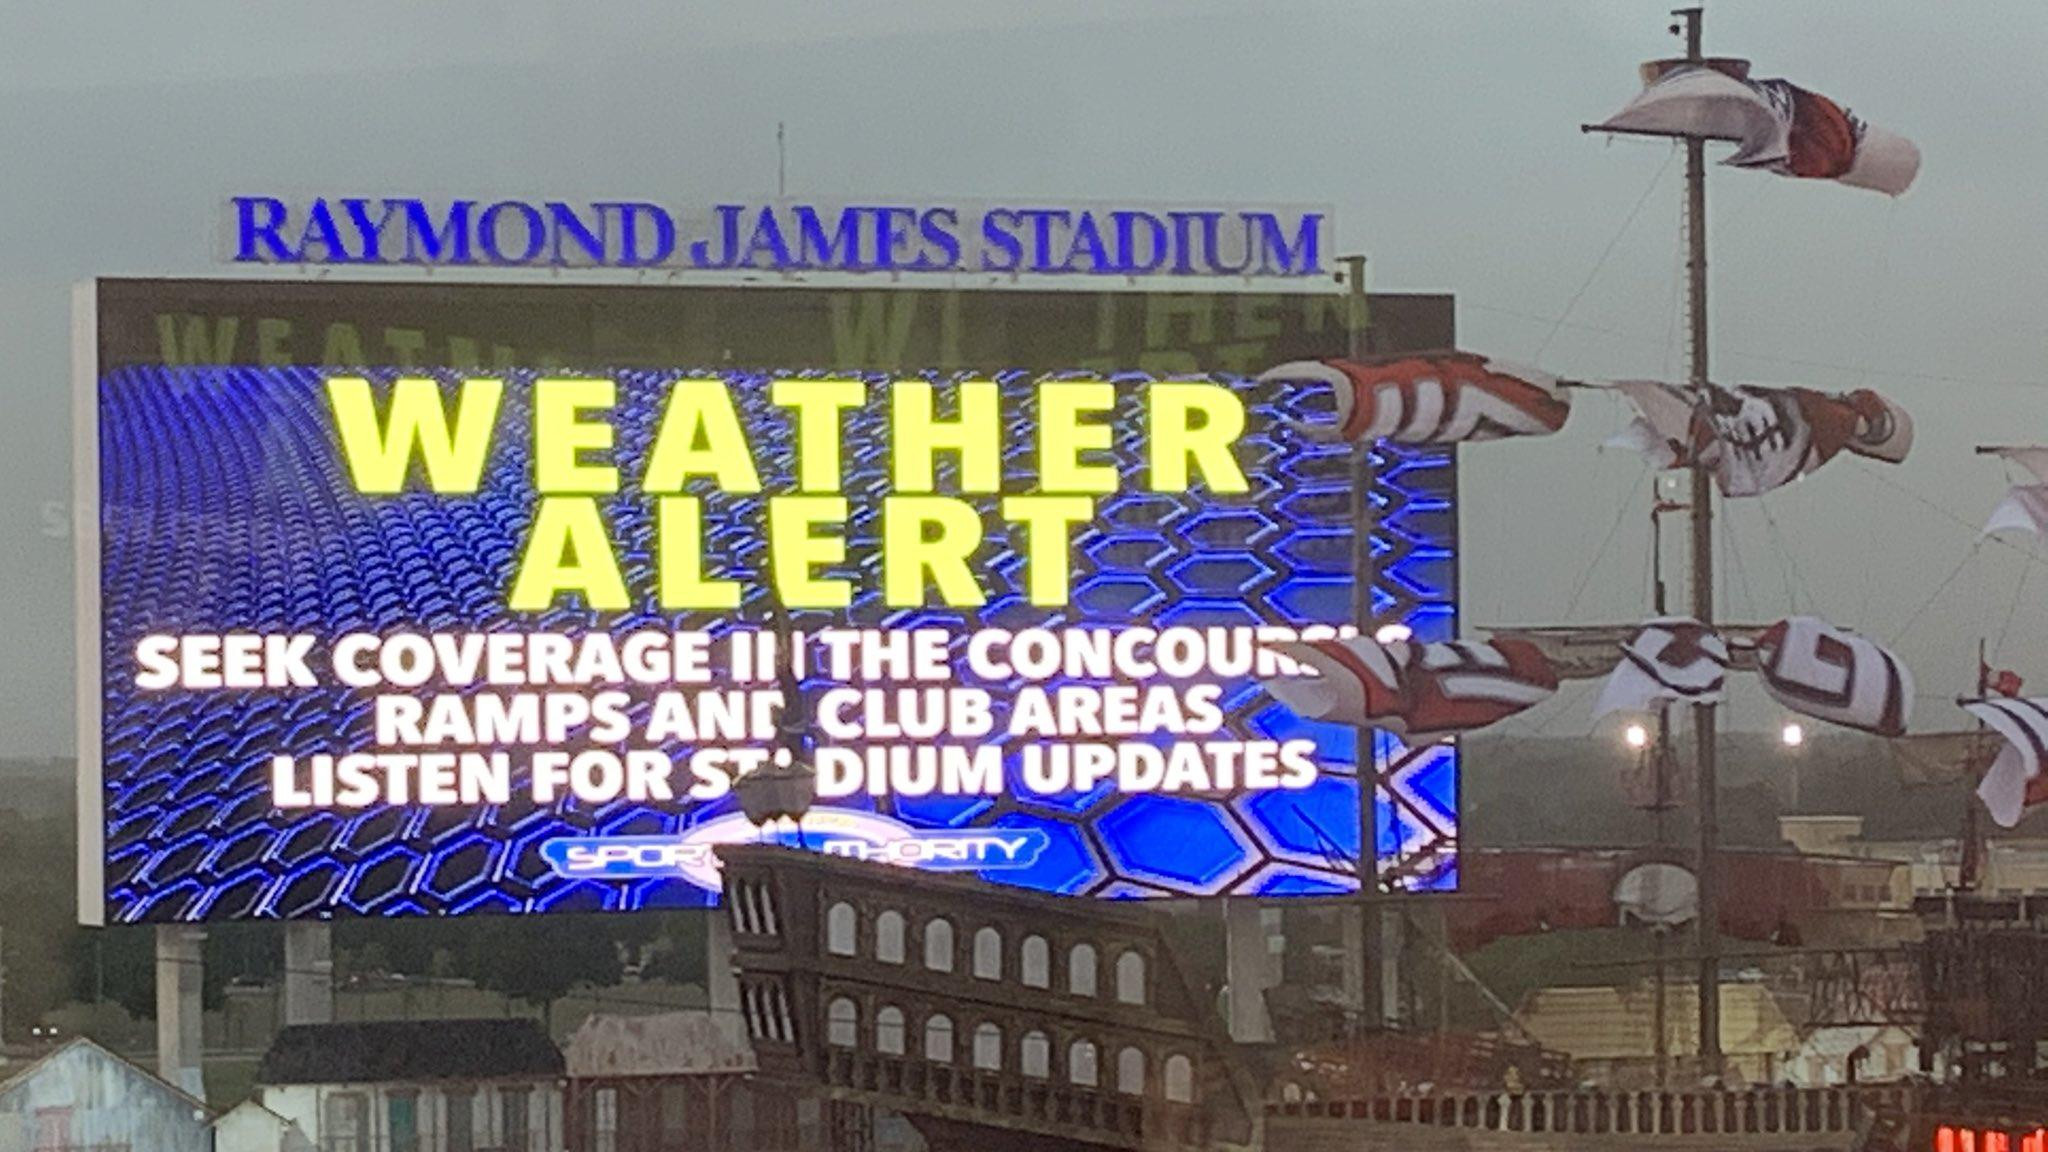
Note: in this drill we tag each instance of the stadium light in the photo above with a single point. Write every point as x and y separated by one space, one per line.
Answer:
1637 736
1792 734
1393 633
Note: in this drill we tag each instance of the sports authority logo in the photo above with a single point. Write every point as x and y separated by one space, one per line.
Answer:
693 856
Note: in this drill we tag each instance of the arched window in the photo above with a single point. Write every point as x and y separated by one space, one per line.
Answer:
842 1023
842 930
988 954
938 945
889 1035
938 1039
1034 1053
1130 978
889 937
1035 959
1130 1072
1081 970
1180 1079
1081 1067
988 1046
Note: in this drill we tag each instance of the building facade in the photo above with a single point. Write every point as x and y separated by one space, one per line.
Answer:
975 1010
83 1098
418 1086
677 1082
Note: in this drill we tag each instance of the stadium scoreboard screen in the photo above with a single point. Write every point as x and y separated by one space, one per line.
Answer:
432 600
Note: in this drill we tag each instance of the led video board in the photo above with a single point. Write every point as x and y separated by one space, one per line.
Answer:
439 640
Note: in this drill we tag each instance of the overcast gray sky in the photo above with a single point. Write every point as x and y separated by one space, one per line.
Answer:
1446 135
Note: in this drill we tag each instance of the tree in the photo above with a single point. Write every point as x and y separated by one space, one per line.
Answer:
539 959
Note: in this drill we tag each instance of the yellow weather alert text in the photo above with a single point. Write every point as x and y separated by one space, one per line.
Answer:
413 436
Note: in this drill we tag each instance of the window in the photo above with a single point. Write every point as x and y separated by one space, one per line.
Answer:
1081 970
988 1047
889 937
342 1122
1130 1072
402 1121
1180 1079
1081 1067
889 1035
842 1024
938 945
462 1119
1035 959
842 930
938 1039
1035 1054
53 1128
1130 978
988 954
512 1120
604 1121
674 1102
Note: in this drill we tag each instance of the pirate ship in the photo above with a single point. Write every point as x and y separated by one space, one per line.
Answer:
1732 442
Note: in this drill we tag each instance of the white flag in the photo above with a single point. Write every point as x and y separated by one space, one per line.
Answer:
1833 674
2023 721
1670 659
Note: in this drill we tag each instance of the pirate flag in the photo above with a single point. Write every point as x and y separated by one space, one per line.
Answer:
1754 439
1430 398
1671 659
1416 691
1833 674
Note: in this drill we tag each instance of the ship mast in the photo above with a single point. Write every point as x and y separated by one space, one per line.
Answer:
1707 922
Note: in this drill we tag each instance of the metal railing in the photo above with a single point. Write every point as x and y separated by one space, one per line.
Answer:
1111 1117
1759 1111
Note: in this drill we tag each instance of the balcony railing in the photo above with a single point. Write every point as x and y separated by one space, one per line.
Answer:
1761 1111
1110 1117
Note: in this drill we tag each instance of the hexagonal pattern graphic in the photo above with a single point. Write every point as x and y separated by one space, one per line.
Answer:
226 507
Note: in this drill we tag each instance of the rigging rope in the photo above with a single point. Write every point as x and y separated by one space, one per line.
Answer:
1938 590
2012 610
1606 252
1788 562
1621 513
1735 557
1975 529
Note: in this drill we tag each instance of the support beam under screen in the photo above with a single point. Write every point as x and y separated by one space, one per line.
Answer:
309 972
180 974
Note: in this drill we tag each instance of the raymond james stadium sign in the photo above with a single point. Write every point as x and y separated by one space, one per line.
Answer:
1021 238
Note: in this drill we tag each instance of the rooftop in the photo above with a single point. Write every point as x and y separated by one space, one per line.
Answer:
410 1050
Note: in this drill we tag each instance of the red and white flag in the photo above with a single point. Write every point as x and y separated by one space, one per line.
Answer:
1416 691
1431 398
1776 125
1671 659
1832 674
1754 439
2014 782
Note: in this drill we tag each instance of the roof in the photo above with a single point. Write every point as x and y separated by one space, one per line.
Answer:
669 1044
1056 905
408 1050
89 1047
252 1107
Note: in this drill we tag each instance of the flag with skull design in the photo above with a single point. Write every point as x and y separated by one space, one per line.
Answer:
1754 439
